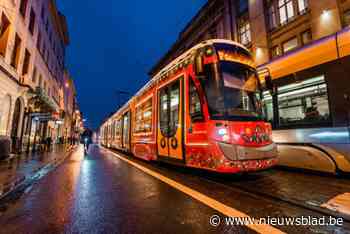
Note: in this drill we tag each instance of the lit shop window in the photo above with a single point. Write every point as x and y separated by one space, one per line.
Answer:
286 10
346 17
143 117
275 51
304 103
290 45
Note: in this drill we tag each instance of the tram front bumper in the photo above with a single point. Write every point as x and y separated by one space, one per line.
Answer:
243 153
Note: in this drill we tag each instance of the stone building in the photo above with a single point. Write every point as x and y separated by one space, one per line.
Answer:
33 40
304 45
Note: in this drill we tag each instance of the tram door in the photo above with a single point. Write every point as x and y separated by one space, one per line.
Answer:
125 133
170 121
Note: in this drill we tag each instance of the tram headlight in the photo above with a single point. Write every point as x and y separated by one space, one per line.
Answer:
222 132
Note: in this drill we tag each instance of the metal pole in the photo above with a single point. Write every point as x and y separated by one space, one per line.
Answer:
30 119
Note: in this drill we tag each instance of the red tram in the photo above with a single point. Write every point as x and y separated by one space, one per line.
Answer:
202 110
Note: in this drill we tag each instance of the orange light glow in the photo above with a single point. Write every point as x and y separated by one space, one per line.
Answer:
236 57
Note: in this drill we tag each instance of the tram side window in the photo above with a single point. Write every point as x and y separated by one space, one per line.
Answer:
194 103
304 103
143 117
118 129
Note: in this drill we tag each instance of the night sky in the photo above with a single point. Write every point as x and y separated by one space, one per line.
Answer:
115 43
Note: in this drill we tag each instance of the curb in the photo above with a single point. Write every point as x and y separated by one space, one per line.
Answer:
7 188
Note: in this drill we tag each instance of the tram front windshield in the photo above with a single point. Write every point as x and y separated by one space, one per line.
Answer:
232 91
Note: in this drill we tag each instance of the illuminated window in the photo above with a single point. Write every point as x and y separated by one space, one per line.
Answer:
304 103
290 45
143 117
26 62
302 5
4 34
306 37
275 51
195 104
286 10
272 17
346 17
244 32
16 52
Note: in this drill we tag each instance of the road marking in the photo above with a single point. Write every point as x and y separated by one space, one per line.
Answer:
216 205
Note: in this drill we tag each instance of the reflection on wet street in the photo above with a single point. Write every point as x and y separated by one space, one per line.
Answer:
100 193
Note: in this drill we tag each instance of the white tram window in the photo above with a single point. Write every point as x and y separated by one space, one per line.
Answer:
195 105
304 103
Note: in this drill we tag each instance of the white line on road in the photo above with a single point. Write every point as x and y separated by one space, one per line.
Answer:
222 208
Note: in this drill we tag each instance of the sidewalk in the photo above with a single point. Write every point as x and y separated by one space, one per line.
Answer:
15 170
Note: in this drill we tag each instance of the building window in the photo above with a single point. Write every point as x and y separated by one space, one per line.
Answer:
243 6
304 103
38 42
26 62
23 7
34 75
40 81
286 10
346 18
275 51
194 102
16 52
272 17
143 117
4 34
32 21
244 32
290 45
306 37
302 5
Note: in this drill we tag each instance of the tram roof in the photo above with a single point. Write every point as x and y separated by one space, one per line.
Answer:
174 63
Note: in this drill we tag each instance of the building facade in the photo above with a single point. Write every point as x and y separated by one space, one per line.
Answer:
33 40
302 45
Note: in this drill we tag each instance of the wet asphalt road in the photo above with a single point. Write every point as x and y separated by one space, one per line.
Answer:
103 194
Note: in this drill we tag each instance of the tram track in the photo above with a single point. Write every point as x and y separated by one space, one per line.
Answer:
222 180
315 208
